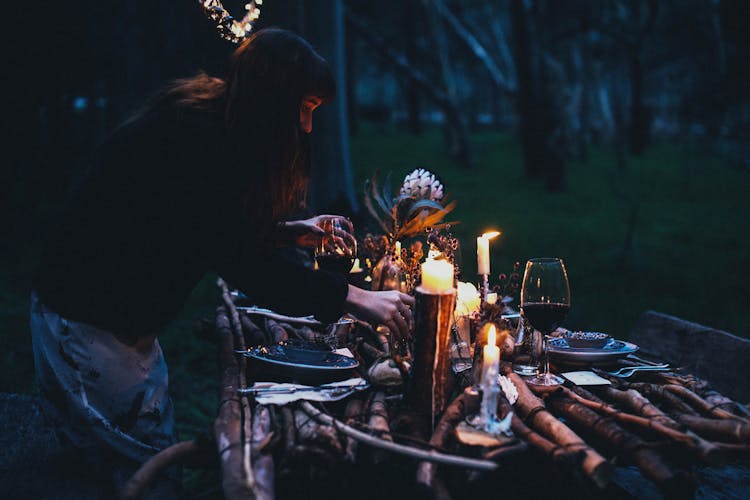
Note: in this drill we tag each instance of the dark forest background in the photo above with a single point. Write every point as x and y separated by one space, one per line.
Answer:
612 133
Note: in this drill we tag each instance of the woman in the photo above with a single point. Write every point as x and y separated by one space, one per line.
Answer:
203 179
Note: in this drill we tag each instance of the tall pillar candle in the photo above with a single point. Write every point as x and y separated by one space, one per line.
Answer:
432 381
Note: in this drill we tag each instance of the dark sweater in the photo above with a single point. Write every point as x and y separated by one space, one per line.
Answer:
160 207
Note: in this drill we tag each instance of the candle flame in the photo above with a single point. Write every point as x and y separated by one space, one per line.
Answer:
491 335
490 235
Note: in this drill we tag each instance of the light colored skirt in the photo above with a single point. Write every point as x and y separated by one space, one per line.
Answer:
98 392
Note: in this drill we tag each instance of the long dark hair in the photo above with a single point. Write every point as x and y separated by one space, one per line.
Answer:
269 75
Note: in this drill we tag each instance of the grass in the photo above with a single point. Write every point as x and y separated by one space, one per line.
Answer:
689 253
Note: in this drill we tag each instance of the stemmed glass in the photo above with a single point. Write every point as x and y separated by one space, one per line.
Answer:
337 249
545 302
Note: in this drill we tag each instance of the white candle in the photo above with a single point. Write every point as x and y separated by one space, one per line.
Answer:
491 357
483 252
437 276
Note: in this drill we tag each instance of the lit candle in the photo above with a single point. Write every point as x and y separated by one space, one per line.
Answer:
437 276
483 252
356 267
491 360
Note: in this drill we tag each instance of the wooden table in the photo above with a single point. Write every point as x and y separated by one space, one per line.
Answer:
661 434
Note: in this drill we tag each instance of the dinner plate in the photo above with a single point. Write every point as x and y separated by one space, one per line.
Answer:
282 363
561 352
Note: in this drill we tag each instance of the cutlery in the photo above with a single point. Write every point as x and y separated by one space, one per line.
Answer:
629 371
331 388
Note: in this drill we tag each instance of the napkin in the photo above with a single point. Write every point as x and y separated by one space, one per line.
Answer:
585 378
306 392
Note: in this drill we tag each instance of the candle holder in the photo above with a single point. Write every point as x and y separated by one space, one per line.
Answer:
484 287
432 380
487 420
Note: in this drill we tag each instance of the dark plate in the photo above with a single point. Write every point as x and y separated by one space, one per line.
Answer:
561 352
284 363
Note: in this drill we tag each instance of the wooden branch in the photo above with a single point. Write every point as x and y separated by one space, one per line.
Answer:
555 452
594 465
311 432
634 400
254 335
352 413
701 404
237 480
290 430
721 430
245 410
174 454
434 456
263 468
648 461
654 391
706 451
427 471
276 332
475 47
377 415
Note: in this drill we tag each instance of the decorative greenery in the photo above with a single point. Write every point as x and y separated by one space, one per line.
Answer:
418 207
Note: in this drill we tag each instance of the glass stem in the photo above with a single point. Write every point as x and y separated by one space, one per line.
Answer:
545 355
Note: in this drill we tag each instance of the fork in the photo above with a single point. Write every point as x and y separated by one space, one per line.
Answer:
629 371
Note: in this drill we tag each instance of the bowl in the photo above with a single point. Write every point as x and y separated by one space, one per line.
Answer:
586 340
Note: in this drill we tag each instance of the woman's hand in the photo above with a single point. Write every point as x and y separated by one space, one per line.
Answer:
390 308
310 232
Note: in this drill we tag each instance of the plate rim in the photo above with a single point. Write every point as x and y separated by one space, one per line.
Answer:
252 353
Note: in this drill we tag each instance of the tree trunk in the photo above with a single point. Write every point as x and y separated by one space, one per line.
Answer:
526 59
413 107
456 127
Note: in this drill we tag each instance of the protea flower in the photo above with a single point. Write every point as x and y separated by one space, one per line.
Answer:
418 205
422 184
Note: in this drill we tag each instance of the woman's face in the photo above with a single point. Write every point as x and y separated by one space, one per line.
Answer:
309 104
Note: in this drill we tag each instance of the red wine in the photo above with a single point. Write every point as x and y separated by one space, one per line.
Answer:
545 316
336 263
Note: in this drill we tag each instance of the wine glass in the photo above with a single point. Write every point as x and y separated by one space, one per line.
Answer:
337 249
545 302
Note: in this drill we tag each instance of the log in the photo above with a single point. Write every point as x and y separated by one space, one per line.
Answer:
377 420
636 402
701 404
648 461
237 480
290 431
704 450
431 455
177 453
658 392
275 332
254 335
427 471
352 414
594 466
431 384
245 411
263 468
731 431
313 434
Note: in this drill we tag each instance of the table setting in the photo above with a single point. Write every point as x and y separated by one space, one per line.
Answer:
480 392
